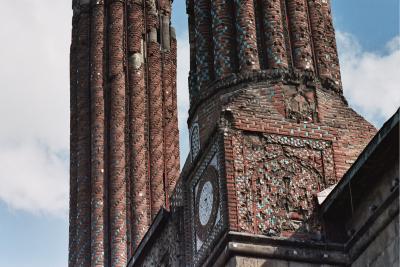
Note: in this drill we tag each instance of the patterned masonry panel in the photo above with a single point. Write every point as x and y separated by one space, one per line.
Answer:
277 178
203 237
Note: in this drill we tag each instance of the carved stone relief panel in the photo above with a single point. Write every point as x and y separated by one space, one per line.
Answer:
300 104
277 178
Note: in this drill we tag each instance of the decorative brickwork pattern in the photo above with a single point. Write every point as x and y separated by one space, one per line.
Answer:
123 113
274 34
204 53
280 35
83 215
97 105
277 178
318 27
73 143
300 34
117 185
140 217
246 35
224 37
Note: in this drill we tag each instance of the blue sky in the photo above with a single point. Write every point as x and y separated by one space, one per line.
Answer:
34 102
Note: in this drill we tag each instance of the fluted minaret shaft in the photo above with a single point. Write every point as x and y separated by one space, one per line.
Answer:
124 127
254 36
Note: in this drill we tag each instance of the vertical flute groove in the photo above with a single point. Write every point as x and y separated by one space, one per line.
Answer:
246 35
73 146
274 35
174 129
223 37
331 44
138 164
117 136
98 219
83 142
156 131
300 35
204 50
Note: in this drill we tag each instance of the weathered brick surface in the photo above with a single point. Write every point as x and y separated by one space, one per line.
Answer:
288 131
97 105
123 124
246 36
117 156
274 34
140 215
73 144
223 37
83 143
300 37
294 35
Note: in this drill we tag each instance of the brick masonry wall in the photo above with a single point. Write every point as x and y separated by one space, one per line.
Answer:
267 123
312 149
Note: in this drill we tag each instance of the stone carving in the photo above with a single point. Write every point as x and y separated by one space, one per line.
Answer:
300 104
277 178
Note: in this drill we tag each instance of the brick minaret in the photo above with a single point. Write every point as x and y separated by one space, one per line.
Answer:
268 113
124 130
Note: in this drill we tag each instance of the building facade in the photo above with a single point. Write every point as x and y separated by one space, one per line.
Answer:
274 147
124 130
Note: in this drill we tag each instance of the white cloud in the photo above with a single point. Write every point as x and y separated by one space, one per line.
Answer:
34 102
370 79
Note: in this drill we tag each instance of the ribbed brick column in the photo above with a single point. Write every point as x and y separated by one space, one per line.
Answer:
83 141
97 104
223 29
274 34
300 34
155 124
138 143
246 35
117 183
204 49
173 151
321 48
331 43
171 141
73 143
